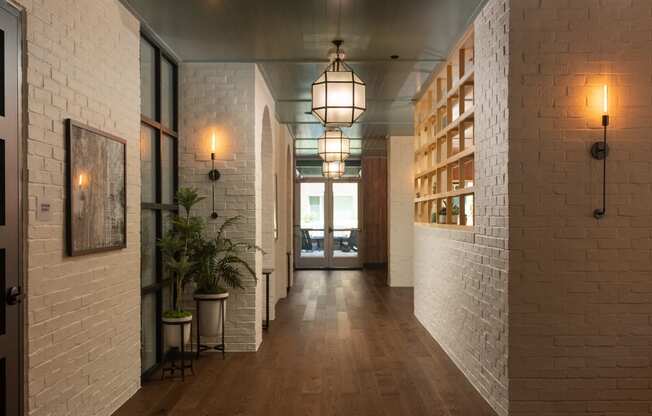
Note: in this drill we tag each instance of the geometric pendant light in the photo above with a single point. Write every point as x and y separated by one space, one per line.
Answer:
338 95
334 146
333 170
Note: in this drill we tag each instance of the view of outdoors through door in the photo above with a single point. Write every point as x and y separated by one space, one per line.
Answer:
328 232
345 219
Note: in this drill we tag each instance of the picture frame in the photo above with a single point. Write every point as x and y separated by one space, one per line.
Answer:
96 190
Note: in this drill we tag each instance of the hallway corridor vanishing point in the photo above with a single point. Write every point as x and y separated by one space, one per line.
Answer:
342 344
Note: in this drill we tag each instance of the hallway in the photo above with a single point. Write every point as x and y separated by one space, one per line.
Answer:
342 344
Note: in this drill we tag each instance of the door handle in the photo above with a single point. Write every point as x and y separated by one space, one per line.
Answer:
330 230
14 296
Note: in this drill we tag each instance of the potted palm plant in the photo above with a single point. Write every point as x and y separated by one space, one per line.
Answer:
177 247
218 268
442 215
455 214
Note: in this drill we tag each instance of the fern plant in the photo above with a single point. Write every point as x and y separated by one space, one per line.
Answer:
219 263
215 264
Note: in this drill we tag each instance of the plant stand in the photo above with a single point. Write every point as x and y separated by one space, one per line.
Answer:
267 273
221 346
178 360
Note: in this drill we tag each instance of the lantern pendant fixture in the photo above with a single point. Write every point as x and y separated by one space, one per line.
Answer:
333 170
334 146
338 95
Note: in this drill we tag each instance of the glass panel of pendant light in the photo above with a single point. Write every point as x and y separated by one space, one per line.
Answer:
333 170
334 146
338 95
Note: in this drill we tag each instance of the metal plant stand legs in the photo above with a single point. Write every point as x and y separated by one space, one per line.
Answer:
222 345
174 355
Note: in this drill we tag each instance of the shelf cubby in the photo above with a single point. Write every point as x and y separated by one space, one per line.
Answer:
445 143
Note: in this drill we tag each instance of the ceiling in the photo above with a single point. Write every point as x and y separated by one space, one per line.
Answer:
290 39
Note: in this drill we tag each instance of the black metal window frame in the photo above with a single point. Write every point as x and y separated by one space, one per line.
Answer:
160 209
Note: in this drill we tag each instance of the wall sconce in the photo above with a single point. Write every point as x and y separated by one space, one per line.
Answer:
214 174
600 151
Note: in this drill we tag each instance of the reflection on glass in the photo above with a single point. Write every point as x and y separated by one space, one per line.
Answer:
345 219
345 205
167 170
147 79
148 331
312 205
147 164
312 218
167 94
147 247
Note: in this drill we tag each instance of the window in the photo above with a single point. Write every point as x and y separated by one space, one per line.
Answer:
158 172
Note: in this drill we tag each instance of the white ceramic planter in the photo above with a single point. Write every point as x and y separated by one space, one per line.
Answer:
172 332
210 314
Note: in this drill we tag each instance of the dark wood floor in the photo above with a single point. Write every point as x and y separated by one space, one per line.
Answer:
342 344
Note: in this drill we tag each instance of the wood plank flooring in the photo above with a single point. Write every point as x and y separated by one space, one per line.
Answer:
342 344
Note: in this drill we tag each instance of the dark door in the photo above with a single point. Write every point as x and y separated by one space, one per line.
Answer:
10 219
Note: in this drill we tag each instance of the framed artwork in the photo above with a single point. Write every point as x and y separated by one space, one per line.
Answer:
96 190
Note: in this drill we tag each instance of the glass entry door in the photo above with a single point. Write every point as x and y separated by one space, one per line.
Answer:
327 224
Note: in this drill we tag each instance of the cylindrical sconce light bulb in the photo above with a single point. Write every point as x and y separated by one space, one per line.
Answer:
213 143
605 99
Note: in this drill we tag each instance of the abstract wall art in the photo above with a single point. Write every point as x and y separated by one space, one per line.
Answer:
96 198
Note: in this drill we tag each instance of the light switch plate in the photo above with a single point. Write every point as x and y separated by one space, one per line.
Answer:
43 209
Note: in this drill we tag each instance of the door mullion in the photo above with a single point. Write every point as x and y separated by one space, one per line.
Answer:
328 224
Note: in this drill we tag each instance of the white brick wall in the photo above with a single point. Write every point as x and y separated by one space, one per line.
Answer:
580 290
400 213
221 97
266 136
272 141
232 99
460 277
83 314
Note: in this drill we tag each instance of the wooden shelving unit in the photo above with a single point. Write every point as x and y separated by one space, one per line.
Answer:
444 144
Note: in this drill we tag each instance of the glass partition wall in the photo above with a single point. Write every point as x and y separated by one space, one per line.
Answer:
158 156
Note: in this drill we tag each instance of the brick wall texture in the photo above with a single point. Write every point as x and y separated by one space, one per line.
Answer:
580 290
83 314
460 277
234 101
220 97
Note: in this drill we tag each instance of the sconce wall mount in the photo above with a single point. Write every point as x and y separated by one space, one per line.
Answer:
600 151
214 174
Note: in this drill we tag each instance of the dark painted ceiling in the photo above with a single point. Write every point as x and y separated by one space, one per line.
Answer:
290 39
